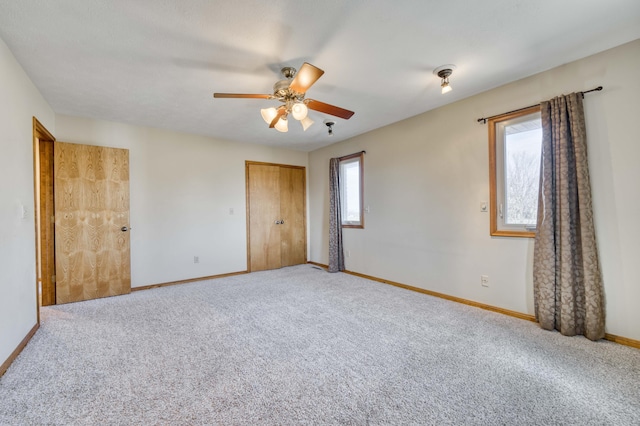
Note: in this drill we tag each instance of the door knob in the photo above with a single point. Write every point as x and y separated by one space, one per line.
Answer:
125 229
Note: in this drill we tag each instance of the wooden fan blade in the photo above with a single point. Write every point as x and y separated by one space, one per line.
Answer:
241 95
281 111
305 77
329 109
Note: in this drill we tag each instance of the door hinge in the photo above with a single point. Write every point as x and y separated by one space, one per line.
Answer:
53 278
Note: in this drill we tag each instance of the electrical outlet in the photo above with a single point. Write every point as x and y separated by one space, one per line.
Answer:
196 259
484 206
484 280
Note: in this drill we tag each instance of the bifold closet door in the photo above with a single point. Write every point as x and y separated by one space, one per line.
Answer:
292 216
276 216
264 212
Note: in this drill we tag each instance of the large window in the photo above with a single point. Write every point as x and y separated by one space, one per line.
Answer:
351 191
515 142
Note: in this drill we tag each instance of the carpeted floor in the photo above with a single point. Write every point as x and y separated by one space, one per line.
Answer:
302 346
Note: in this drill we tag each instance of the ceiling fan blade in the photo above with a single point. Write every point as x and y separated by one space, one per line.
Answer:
305 77
329 109
241 95
281 111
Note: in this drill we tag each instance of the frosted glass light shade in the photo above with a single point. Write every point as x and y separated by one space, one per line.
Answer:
282 125
299 111
268 114
446 88
306 122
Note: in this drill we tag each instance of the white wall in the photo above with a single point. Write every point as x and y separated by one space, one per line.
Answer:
182 187
426 176
19 102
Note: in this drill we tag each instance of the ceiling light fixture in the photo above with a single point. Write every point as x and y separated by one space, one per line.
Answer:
444 72
329 125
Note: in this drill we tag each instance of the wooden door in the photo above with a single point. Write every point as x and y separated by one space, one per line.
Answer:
91 186
292 215
275 216
264 212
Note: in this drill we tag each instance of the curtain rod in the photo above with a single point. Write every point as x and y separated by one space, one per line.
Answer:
351 155
484 119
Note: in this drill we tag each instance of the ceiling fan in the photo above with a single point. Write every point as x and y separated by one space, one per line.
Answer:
291 91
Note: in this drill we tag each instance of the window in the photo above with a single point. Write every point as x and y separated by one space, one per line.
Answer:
515 143
351 190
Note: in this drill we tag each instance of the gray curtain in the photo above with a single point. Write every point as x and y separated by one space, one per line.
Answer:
568 292
336 254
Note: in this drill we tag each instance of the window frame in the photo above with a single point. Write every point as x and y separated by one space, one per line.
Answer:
359 157
493 122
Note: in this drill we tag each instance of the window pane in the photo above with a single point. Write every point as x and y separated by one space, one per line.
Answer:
350 186
515 142
522 147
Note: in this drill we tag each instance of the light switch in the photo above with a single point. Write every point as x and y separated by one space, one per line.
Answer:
484 206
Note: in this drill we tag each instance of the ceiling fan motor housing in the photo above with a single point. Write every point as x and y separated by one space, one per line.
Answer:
281 88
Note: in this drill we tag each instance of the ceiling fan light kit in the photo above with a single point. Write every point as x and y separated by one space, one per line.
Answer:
306 123
291 91
299 111
282 125
444 71
268 114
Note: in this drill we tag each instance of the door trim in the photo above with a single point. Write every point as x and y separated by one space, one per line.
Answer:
248 163
40 133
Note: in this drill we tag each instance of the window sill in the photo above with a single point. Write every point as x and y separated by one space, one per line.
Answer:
518 234
353 226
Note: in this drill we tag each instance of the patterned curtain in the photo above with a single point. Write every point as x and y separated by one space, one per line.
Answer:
336 254
568 291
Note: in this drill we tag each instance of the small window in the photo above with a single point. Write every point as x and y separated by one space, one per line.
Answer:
515 143
351 189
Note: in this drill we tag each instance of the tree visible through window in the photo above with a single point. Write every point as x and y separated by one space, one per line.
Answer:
515 142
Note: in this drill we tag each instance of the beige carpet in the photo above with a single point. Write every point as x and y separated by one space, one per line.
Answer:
302 346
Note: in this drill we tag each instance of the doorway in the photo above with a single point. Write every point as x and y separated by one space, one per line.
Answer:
82 220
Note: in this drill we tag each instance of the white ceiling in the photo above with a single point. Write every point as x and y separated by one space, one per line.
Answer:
157 62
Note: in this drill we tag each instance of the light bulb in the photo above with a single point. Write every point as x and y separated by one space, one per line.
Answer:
299 111
446 88
268 114
282 125
306 122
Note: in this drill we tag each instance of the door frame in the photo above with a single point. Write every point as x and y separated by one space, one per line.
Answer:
42 244
248 163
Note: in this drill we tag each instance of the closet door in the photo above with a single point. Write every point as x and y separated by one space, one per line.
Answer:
263 213
275 216
292 228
